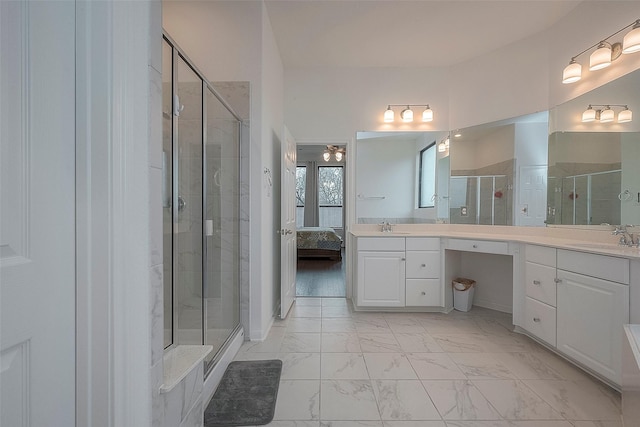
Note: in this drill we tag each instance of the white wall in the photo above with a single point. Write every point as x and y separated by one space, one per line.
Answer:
233 41
334 103
272 109
521 78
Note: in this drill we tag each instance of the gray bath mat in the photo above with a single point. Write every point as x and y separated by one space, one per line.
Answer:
246 395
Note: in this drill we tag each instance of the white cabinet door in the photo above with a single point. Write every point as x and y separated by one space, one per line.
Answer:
381 279
590 316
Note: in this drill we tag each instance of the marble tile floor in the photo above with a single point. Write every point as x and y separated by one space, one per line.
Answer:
343 368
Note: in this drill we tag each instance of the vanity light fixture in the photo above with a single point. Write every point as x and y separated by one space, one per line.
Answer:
337 152
406 115
605 53
607 114
457 134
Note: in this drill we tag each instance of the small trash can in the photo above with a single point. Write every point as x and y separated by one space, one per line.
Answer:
463 293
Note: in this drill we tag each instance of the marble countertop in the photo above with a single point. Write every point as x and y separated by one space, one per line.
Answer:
592 241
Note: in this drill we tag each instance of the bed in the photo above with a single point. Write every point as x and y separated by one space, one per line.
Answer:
319 242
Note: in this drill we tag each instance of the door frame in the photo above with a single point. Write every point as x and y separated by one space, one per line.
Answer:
118 57
349 196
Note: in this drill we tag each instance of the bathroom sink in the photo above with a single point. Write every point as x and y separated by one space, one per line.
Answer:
394 233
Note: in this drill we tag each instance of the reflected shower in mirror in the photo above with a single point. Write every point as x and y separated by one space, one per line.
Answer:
594 167
498 172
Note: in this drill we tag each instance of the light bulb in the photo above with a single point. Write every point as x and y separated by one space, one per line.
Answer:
338 156
446 143
607 115
600 58
427 115
441 148
625 116
326 156
589 115
572 72
388 115
407 115
631 42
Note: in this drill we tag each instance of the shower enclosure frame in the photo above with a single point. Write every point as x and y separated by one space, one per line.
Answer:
177 54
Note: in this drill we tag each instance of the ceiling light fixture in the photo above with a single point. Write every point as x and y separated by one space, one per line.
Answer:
406 115
337 152
606 115
605 53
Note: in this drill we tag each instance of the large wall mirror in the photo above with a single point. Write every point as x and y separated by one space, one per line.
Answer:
594 166
498 172
396 177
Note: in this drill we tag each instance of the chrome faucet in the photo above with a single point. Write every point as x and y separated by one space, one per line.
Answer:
626 238
385 227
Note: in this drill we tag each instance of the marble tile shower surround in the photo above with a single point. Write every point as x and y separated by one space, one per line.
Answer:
423 369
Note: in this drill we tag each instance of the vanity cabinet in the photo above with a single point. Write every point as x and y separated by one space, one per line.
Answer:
593 306
398 272
423 288
540 290
381 272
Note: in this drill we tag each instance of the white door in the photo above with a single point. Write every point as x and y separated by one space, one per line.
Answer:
37 218
532 196
287 230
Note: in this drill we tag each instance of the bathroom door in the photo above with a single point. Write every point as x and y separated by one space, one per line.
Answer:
288 249
37 214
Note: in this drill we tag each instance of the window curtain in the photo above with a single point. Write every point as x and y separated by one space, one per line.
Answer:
311 214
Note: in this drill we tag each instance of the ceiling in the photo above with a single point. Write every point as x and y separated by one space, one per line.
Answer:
401 33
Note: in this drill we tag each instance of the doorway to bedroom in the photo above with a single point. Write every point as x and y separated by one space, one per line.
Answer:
320 217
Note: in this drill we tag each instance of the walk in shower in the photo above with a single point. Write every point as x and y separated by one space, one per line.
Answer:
484 200
201 194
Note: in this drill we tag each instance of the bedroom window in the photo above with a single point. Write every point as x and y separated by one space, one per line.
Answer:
330 196
427 177
301 183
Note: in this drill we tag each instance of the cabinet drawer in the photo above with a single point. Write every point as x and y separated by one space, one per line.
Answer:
600 266
423 264
541 255
381 243
423 244
423 293
540 320
486 246
540 282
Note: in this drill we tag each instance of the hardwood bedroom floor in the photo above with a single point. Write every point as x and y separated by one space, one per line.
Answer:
320 277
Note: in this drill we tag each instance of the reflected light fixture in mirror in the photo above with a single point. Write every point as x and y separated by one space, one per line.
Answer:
607 114
406 115
605 53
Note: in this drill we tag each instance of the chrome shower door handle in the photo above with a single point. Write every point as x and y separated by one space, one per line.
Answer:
181 204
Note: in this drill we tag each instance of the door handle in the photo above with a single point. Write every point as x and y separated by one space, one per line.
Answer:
181 204
536 282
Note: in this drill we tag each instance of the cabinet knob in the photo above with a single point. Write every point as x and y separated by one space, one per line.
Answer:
423 265
536 319
403 259
475 246
557 280
536 282
423 293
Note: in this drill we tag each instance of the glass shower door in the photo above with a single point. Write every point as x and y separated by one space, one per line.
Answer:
187 205
222 237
